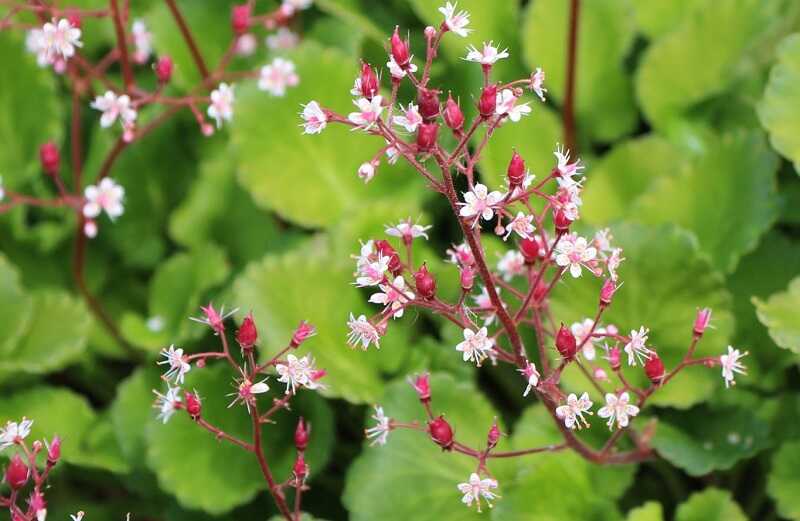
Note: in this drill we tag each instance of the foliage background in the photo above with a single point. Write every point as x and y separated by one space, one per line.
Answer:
688 114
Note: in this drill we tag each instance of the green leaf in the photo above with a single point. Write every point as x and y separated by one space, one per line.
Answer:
716 47
410 461
308 179
727 198
312 285
352 13
665 282
31 112
706 440
779 314
779 110
650 511
656 18
604 91
784 481
131 413
16 305
216 476
100 449
592 488
712 504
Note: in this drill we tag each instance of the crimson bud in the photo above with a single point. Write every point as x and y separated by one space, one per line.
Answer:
561 221
467 278
516 170
428 101
453 117
17 473
441 432
74 19
530 249
50 158
385 249
494 436
426 284
300 467
566 343
702 320
301 435
193 405
488 101
54 450
399 49
422 384
369 81
303 332
654 369
607 292
163 68
240 18
247 336
614 358
427 135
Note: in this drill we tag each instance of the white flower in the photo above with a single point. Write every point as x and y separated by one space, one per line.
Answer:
3 192
290 7
581 331
461 255
565 168
178 366
392 155
731 365
14 432
247 392
246 44
34 43
366 171
602 240
521 225
537 83
107 196
636 348
398 72
506 104
574 252
363 332
488 56
394 296
373 272
407 231
532 375
455 21
380 431
613 262
572 412
283 39
411 118
314 118
168 403
476 346
365 255
480 203
221 107
77 516
484 302
617 408
369 112
297 372
113 107
142 40
275 77
59 39
511 264
476 489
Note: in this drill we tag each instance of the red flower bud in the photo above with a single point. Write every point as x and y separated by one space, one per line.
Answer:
427 135
369 81
654 369
300 467
428 101
303 332
453 117
607 292
74 19
614 358
488 101
441 432
50 158
399 49
247 336
17 473
240 18
193 405
494 436
561 221
422 384
566 343
530 249
54 450
38 505
301 435
702 320
516 170
385 249
163 68
467 278
426 284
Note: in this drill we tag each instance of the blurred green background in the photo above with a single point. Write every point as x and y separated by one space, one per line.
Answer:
688 115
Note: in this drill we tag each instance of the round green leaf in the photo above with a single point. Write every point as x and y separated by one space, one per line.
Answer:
216 476
411 475
711 504
650 511
658 17
604 91
665 282
779 313
784 481
16 306
779 110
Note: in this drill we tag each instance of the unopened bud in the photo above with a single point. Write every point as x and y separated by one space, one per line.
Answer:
428 101
561 221
427 134
453 117
430 32
74 19
494 436
530 249
369 81
516 170
303 332
385 249
399 49
50 158
607 292
654 369
193 405
163 68
467 278
441 432
422 385
240 18
54 450
300 467
702 320
488 101
426 284
17 473
37 446
38 505
614 358
247 336
566 343
301 434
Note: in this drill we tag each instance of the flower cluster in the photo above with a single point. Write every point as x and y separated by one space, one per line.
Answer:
535 218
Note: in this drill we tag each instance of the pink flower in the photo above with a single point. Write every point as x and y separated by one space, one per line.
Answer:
488 56
575 252
221 107
566 169
13 433
636 347
731 365
506 104
581 331
380 432
314 118
521 225
142 41
531 376
275 77
618 409
113 107
168 403
176 360
480 203
411 118
613 262
298 372
572 412
362 332
476 489
247 391
537 83
407 231
476 346
398 72
106 196
213 319
283 39
368 114
393 296
455 21
246 44
511 264
366 171
59 39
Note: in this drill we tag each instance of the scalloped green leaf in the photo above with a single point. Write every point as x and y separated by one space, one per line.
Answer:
717 46
31 111
650 511
16 305
658 17
704 440
310 284
188 460
665 281
779 109
779 313
712 504
308 179
353 13
605 107
728 198
410 461
593 489
784 481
